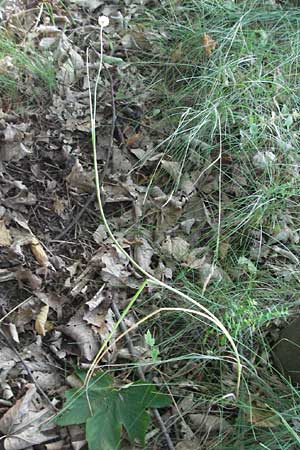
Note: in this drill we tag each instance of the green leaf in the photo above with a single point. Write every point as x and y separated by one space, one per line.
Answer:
113 60
149 339
80 403
106 409
103 431
154 354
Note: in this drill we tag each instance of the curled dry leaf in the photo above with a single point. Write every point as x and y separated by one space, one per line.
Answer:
187 444
26 424
7 392
54 301
5 237
143 254
13 332
80 179
26 276
176 247
208 423
38 252
82 334
209 44
41 319
115 272
17 142
100 234
102 323
263 160
172 168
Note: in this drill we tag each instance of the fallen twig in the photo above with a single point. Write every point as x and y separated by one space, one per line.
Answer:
77 217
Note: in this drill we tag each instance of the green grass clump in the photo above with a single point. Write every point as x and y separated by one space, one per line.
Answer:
231 122
244 97
25 73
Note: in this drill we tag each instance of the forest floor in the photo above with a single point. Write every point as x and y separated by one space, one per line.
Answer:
197 153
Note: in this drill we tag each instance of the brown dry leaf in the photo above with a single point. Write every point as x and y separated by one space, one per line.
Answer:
172 168
208 423
54 301
82 334
7 66
17 142
24 424
176 247
143 253
41 319
5 237
188 445
262 417
26 276
115 272
209 44
8 360
80 179
39 253
59 206
134 140
103 322
100 234
193 260
176 54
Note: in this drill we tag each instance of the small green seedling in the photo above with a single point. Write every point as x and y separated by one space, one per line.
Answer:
154 350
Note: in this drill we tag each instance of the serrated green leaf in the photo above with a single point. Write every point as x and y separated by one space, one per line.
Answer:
80 403
106 409
103 430
131 405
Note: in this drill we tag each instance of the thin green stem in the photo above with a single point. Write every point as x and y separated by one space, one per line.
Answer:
149 277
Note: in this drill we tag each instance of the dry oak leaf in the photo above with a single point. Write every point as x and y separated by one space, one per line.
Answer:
209 44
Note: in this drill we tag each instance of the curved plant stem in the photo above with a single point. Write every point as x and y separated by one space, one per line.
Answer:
204 312
150 316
